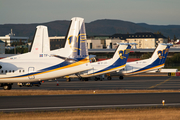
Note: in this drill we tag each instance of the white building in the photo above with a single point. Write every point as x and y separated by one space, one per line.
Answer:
8 39
94 44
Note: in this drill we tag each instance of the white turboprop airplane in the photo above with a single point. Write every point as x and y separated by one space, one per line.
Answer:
156 61
116 63
39 65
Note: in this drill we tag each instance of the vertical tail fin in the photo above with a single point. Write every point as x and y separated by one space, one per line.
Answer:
121 55
41 41
76 43
160 54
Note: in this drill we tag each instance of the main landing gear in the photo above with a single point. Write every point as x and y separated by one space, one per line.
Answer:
81 78
68 79
100 77
121 77
6 86
110 78
84 79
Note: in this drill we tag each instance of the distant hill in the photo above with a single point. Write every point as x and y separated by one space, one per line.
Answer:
98 27
166 30
109 27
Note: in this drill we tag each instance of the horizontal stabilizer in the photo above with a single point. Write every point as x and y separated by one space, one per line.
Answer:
65 58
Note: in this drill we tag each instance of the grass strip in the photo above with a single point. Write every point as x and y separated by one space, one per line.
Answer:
105 114
66 92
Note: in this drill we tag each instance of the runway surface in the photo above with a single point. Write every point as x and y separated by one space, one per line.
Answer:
96 101
130 83
93 101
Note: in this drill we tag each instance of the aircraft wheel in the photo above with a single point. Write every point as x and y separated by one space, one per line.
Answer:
121 77
109 78
96 79
68 79
86 79
7 86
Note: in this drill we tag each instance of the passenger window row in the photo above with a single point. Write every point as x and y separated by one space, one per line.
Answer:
5 71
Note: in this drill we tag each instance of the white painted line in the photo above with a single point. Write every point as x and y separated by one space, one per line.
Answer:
94 106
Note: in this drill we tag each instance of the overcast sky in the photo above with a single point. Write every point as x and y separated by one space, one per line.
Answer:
157 12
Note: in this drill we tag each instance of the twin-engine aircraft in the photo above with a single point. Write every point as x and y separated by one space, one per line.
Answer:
156 62
41 64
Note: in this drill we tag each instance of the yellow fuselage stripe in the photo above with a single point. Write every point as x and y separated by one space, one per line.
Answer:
109 70
144 70
86 60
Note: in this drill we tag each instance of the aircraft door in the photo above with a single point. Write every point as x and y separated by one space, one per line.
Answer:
30 70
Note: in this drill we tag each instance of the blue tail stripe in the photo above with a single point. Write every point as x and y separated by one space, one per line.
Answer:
79 43
119 62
